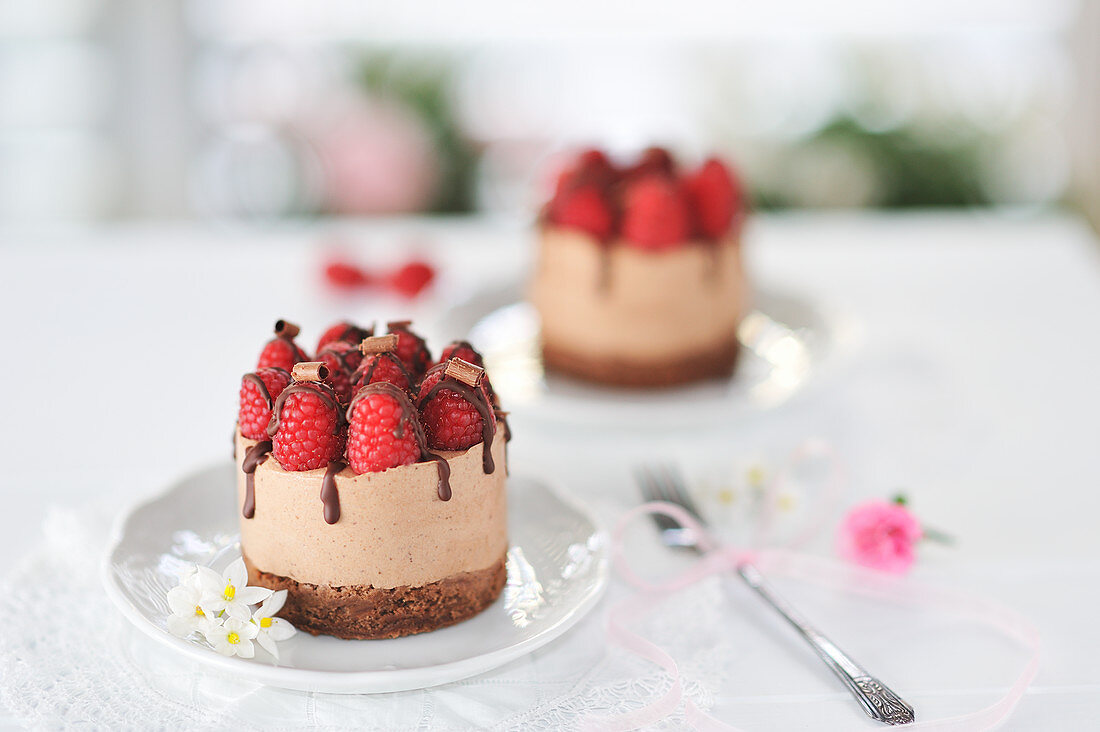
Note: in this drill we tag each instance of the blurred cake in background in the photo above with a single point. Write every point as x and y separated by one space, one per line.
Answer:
638 279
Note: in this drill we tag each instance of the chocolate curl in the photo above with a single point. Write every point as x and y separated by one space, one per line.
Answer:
286 329
378 344
399 324
464 371
310 371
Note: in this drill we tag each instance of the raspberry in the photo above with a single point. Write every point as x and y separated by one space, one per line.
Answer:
342 359
343 331
411 279
450 420
411 348
281 351
381 367
591 167
256 401
715 197
586 208
382 430
656 214
653 161
343 275
308 432
463 350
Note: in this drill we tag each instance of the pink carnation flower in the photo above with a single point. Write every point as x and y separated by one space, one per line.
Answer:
880 535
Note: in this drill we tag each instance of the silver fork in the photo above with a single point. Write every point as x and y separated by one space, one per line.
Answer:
663 483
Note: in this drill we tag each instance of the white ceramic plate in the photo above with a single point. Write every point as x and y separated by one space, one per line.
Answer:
557 570
787 342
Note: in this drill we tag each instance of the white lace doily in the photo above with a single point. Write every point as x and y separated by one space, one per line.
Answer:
68 658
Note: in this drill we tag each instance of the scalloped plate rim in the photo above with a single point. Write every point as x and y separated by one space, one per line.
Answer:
353 682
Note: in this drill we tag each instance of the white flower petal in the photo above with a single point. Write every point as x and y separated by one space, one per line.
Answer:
252 595
268 644
224 647
182 600
180 627
210 581
245 649
238 611
275 603
237 574
281 630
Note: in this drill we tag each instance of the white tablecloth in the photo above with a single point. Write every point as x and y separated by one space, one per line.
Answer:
971 383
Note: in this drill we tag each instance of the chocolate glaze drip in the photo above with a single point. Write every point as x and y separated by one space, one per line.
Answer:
603 278
353 333
330 497
318 388
255 456
255 379
474 396
409 415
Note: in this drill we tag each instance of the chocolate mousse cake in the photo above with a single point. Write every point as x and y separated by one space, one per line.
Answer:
638 279
372 483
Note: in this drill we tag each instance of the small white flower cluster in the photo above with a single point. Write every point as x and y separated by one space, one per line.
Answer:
219 608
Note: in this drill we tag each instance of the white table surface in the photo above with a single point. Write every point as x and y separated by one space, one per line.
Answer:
973 382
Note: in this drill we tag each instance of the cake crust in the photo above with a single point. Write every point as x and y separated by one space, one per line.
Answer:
358 612
718 362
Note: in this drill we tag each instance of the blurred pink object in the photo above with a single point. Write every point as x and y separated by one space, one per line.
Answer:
378 158
880 535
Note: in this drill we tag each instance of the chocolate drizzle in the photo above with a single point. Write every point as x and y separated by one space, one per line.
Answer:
603 276
474 396
409 416
255 379
320 389
330 496
255 456
365 372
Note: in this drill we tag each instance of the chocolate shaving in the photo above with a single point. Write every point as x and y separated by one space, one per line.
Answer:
286 329
378 344
310 371
464 371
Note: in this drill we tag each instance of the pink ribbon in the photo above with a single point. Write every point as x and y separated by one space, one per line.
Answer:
718 559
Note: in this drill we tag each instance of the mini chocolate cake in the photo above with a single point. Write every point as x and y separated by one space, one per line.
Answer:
638 279
382 516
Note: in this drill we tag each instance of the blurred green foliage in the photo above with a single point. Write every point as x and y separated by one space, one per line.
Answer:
424 85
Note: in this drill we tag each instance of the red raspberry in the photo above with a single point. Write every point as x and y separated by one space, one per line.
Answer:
451 422
382 430
343 331
463 350
411 348
309 433
255 411
342 359
653 161
343 275
281 351
586 208
411 279
656 214
715 197
591 167
381 368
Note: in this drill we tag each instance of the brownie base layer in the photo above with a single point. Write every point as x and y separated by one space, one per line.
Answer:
713 364
358 612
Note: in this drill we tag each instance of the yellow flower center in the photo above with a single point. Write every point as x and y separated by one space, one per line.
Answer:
265 622
233 638
230 592
756 475
198 611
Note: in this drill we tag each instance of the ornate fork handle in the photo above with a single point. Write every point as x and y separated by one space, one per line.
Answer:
877 699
